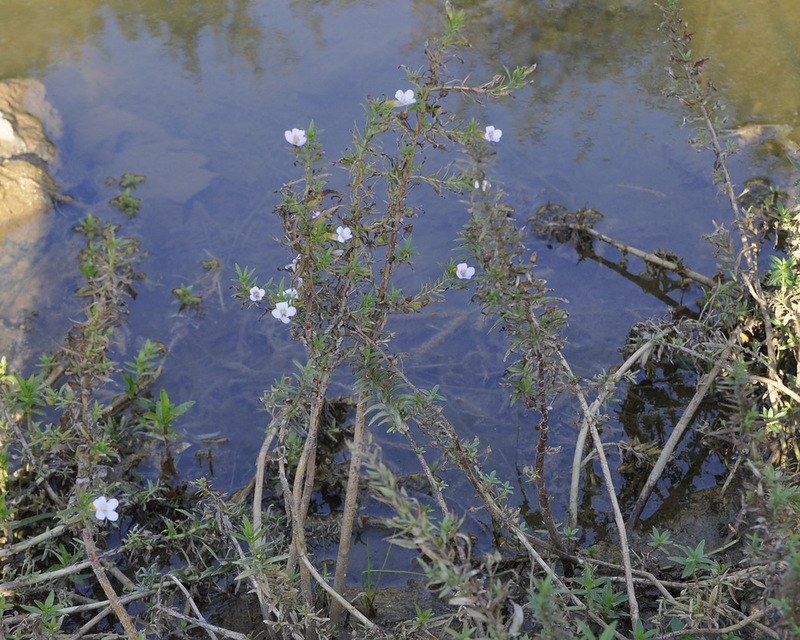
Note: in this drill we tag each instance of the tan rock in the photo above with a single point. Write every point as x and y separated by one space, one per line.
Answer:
25 191
24 110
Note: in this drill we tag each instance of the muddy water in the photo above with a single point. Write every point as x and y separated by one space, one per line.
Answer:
196 96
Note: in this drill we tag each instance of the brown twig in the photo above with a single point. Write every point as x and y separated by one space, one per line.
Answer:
350 500
729 629
113 598
651 258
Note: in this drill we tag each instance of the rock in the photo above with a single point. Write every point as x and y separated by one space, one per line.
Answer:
23 111
26 193
26 189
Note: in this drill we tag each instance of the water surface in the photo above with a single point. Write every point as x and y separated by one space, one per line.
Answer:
196 96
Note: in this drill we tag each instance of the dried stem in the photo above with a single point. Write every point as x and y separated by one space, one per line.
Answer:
589 415
633 605
589 419
113 598
342 601
350 500
303 485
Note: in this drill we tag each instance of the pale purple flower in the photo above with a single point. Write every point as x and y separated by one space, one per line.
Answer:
315 214
464 272
256 293
290 294
483 186
105 509
297 137
405 98
283 311
343 234
493 135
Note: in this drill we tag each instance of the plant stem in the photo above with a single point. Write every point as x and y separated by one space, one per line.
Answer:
303 485
541 484
337 598
99 571
612 495
350 500
589 414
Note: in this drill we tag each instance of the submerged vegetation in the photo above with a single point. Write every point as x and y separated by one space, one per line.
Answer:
93 547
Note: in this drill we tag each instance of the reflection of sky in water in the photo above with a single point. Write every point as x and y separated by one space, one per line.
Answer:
200 108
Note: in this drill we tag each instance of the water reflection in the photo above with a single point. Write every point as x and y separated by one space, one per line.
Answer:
35 36
755 62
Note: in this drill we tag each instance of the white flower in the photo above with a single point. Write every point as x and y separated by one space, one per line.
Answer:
492 134
283 311
483 186
106 509
405 98
256 293
463 272
297 137
290 294
343 234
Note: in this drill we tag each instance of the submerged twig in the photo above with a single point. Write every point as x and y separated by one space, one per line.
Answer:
662 263
672 442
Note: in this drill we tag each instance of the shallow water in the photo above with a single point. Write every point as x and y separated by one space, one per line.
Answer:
196 96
